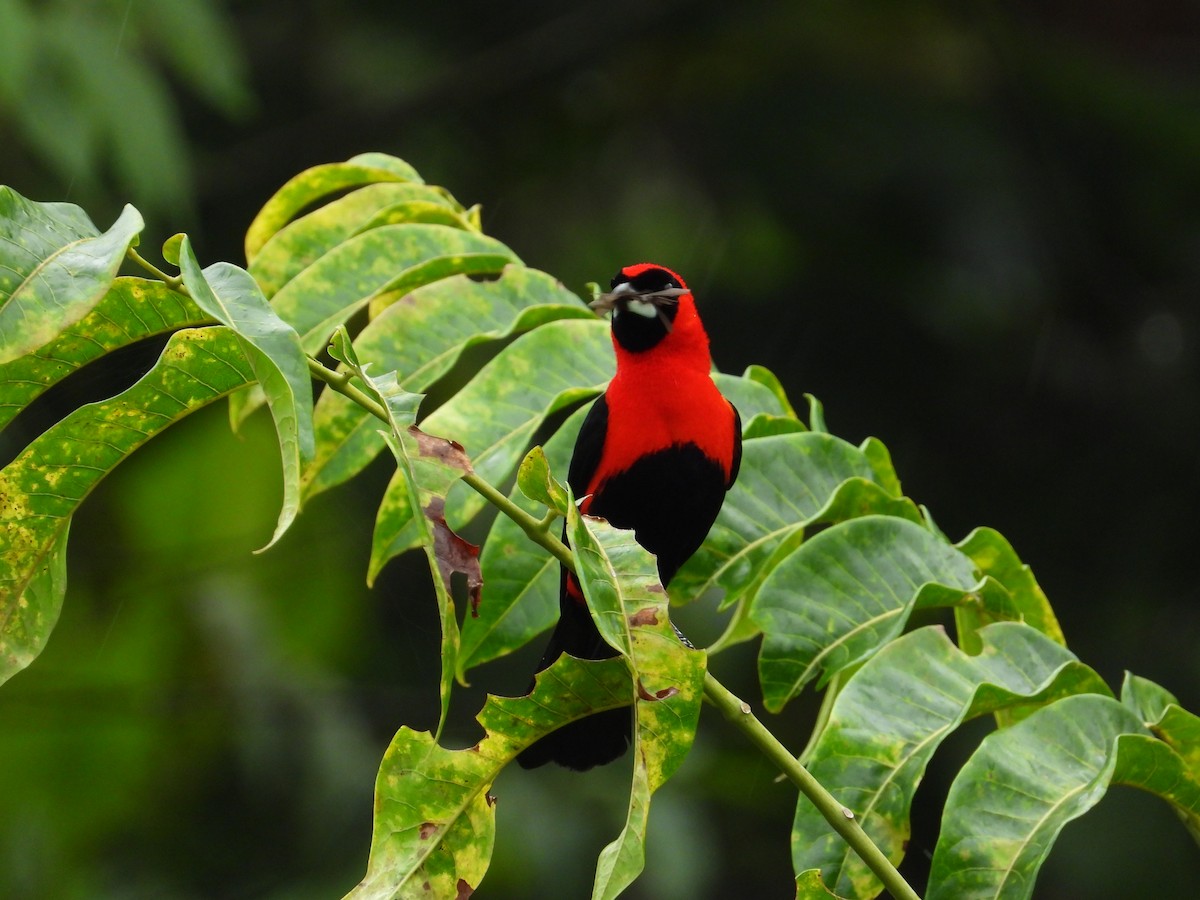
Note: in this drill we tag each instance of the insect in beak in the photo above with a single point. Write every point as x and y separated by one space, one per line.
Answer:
626 296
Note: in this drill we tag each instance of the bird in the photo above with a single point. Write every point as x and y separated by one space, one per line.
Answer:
656 453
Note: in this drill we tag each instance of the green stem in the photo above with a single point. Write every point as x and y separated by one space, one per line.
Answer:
839 817
174 282
736 711
537 529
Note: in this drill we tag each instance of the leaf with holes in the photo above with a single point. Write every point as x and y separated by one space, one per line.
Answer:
496 414
619 577
429 467
434 815
523 579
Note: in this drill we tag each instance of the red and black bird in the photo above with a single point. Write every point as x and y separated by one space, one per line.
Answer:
656 453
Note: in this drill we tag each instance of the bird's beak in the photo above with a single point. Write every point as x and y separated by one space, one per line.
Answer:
624 294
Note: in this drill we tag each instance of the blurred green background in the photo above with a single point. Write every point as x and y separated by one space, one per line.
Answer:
973 230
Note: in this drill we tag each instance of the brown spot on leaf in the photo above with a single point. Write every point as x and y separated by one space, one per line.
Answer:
657 695
453 554
427 830
490 798
647 616
464 890
656 589
442 449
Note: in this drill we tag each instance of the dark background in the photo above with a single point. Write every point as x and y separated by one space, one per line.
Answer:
971 229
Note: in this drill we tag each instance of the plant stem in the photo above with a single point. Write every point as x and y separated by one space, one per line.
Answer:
839 817
736 711
174 282
340 382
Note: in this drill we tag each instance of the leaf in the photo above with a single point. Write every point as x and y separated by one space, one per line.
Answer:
303 241
809 886
61 271
133 309
892 715
393 259
496 414
764 376
620 580
42 488
994 556
523 578
750 397
428 467
232 297
26 625
1162 714
1024 783
537 483
846 592
434 815
420 339
784 483
765 425
315 184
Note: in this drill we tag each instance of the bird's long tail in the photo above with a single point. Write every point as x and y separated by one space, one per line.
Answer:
596 739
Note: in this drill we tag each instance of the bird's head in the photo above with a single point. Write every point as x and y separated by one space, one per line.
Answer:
647 302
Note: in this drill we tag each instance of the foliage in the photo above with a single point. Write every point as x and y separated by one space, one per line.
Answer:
817 551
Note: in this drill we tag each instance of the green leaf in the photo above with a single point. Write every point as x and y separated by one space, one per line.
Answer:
421 339
434 816
170 248
1024 783
52 283
1162 714
26 625
303 241
133 309
522 578
231 296
846 592
784 482
893 714
764 376
392 259
816 415
765 425
881 464
620 580
317 183
428 466
537 483
496 414
750 397
994 556
42 488
809 886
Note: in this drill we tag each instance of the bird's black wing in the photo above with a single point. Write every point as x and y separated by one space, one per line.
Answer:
589 447
737 447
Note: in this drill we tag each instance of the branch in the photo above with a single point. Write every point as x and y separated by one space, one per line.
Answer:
842 819
736 711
